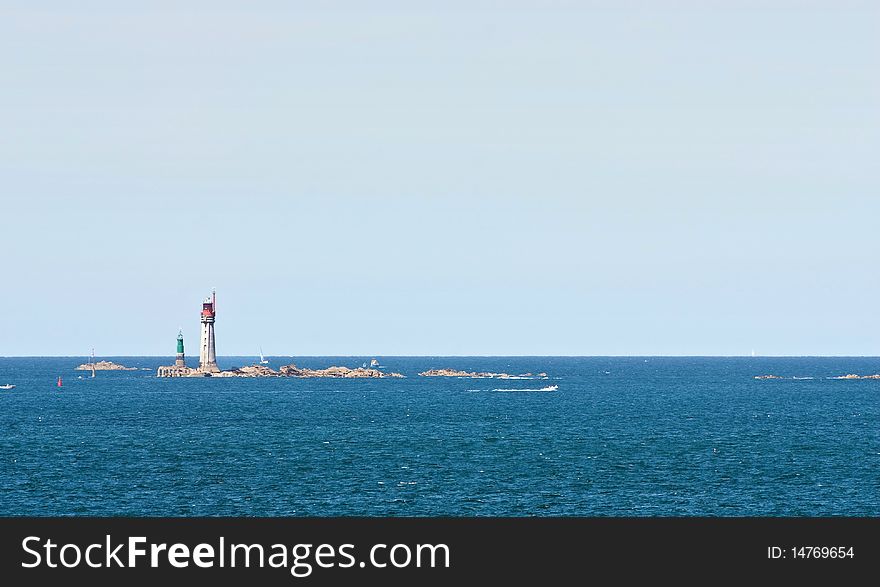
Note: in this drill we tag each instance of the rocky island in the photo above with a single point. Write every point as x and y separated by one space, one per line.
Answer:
294 371
104 366
285 371
477 375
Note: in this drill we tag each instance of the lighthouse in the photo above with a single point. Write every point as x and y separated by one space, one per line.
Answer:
207 352
181 358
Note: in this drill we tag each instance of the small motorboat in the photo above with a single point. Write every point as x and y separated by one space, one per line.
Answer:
548 388
7 387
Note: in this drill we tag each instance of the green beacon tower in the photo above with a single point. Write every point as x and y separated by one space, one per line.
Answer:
181 358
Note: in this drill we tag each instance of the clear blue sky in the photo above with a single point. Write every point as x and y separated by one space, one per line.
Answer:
441 177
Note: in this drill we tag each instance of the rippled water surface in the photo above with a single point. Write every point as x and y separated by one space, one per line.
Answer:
621 436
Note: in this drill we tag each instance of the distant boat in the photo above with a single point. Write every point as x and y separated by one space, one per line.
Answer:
375 364
548 388
7 386
263 360
60 383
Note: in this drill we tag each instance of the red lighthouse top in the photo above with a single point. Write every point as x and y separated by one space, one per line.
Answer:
209 305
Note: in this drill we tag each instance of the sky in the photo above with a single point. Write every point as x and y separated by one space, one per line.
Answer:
441 178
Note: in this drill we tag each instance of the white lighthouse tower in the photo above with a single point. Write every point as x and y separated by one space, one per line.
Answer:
207 352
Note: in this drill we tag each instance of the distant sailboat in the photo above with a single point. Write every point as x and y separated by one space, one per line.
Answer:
263 360
374 364
93 362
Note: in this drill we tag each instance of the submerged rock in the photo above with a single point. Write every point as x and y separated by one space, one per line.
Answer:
476 374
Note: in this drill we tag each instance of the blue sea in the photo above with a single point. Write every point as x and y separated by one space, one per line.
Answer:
621 437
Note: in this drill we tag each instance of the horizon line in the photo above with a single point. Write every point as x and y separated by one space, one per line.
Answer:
657 356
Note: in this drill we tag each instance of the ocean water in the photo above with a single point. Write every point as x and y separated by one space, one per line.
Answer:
620 437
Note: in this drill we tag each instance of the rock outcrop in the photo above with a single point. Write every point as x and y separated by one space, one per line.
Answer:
254 371
334 372
847 376
854 376
105 366
343 372
285 371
